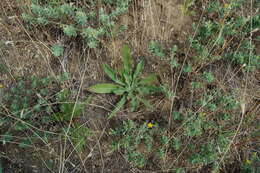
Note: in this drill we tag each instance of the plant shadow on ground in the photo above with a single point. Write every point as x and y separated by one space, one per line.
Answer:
205 120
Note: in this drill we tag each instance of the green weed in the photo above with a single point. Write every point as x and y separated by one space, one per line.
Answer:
26 109
128 83
69 111
133 136
22 104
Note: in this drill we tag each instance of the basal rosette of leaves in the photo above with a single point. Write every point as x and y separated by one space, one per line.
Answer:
127 83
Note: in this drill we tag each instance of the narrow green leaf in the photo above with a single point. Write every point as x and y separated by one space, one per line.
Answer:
25 143
176 115
144 90
128 78
119 105
127 59
57 117
112 74
139 68
103 88
119 91
148 80
134 104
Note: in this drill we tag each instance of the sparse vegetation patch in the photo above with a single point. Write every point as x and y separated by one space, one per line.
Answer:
75 98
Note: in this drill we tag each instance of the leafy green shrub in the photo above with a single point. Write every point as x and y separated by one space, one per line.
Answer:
78 20
128 83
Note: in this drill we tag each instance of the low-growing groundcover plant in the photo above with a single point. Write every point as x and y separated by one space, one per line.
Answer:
128 83
21 103
229 36
132 136
27 114
90 19
142 141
